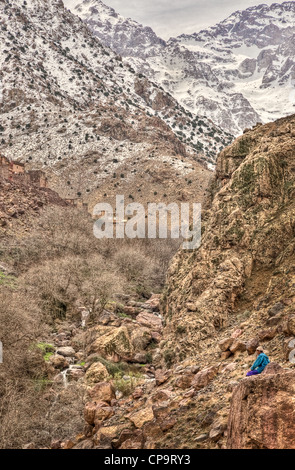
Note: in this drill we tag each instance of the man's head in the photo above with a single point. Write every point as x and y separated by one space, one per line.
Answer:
259 350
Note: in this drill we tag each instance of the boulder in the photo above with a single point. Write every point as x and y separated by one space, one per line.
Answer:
141 417
229 367
288 347
107 434
140 338
96 373
114 344
275 309
272 368
237 333
129 439
162 376
238 346
58 361
184 381
103 391
66 351
268 334
262 412
154 302
251 345
204 377
225 355
150 321
225 344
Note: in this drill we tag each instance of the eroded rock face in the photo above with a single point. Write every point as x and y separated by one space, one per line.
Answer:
262 412
245 227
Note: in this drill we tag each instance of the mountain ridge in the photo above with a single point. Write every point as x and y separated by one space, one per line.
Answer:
227 72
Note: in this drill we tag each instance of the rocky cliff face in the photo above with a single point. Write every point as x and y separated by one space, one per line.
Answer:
248 228
227 72
262 411
221 302
19 202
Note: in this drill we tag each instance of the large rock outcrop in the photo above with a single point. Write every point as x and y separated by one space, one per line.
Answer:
249 228
262 412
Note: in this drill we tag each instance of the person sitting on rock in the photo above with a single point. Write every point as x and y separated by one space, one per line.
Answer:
260 363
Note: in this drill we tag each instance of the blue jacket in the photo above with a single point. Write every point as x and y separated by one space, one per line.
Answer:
260 363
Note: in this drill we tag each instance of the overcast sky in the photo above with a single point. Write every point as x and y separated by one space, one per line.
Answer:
173 17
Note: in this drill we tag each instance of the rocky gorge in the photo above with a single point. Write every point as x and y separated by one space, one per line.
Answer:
136 343
189 348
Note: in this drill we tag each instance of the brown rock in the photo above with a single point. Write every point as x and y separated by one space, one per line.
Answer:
237 333
225 344
161 395
229 367
131 439
58 361
150 321
141 417
107 434
262 413
86 444
291 325
267 335
97 372
204 377
102 413
67 444
288 347
225 355
272 368
89 412
113 343
140 338
238 346
161 376
217 430
251 345
103 391
184 381
154 302
55 445
164 418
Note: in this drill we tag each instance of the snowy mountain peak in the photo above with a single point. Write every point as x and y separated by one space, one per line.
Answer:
126 36
238 72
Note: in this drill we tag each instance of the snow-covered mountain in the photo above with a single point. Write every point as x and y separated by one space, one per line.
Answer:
236 73
70 105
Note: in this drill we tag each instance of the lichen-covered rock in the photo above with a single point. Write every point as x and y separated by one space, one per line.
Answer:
97 372
113 343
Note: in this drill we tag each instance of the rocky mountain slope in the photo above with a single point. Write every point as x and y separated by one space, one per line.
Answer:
221 301
70 106
19 202
236 73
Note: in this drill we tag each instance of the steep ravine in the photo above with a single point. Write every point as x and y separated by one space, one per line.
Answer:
220 302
